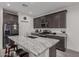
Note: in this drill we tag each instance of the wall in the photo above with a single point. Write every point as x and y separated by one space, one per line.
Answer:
25 27
1 29
73 28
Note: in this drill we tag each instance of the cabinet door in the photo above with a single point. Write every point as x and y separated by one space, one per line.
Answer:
61 43
44 22
37 23
14 19
53 21
10 19
56 21
7 18
63 20
50 21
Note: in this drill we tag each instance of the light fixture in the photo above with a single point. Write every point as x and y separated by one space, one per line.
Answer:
24 5
8 4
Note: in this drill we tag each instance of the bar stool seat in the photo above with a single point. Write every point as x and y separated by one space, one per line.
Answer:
19 51
25 54
22 53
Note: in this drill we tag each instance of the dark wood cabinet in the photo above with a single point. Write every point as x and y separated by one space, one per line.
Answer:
61 44
44 22
55 20
37 22
52 51
40 22
63 20
10 19
50 21
58 20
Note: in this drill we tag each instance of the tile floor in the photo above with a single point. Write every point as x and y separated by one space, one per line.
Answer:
68 53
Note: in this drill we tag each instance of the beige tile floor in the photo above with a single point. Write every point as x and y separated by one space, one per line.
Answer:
68 53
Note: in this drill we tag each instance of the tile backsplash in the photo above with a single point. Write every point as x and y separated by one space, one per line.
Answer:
57 30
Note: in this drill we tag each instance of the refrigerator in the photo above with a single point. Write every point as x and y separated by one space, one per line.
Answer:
9 30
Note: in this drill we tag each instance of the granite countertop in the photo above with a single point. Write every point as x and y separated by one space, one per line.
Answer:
51 34
36 45
59 34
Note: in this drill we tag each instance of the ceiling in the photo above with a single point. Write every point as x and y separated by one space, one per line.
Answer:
34 9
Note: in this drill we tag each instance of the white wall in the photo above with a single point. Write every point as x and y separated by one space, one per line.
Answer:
73 28
1 24
25 27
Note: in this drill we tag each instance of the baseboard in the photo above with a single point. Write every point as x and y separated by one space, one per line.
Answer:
72 50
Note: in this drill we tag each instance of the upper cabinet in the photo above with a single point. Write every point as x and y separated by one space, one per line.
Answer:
44 22
55 20
37 23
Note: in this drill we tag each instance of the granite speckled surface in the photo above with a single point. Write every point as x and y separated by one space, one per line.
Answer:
57 34
36 46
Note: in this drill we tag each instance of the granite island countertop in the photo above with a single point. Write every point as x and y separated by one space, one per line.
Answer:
34 45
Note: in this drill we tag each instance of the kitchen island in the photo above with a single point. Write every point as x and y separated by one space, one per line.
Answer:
62 37
36 46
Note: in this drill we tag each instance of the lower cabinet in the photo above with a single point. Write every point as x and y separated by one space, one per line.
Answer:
61 44
52 51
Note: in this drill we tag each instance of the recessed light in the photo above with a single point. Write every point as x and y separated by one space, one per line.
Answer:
24 5
8 4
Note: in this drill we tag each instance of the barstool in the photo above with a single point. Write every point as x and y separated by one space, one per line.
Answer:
7 51
22 53
26 54
15 47
10 49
